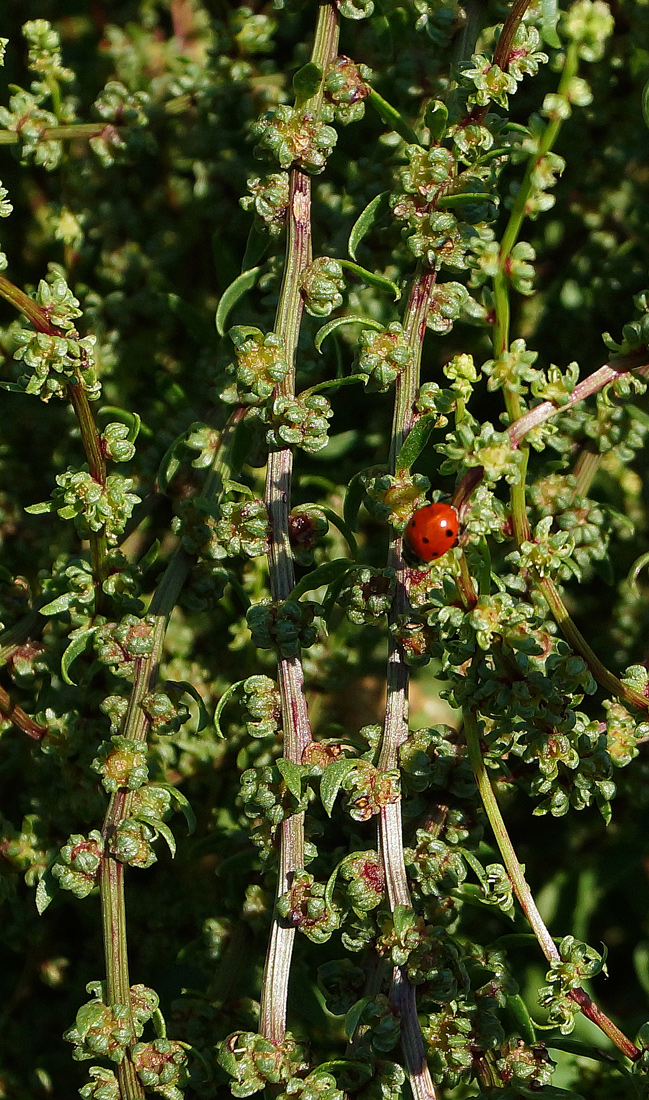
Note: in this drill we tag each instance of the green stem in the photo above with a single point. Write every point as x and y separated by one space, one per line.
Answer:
395 731
290 676
59 133
523 892
135 727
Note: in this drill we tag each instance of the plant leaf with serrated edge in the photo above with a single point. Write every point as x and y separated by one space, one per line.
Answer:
45 890
338 322
415 442
221 705
332 777
292 775
366 219
391 117
307 81
189 689
352 1017
371 278
75 648
324 574
230 297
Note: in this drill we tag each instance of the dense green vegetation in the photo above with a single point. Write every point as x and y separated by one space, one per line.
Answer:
273 279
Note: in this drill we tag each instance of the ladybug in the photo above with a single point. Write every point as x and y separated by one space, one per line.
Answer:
432 530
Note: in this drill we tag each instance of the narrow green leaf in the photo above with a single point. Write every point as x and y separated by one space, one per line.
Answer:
150 558
353 500
332 777
366 219
391 117
415 443
222 704
436 119
516 1009
465 196
61 603
132 420
170 460
549 20
257 245
231 296
13 387
292 775
345 531
352 1018
45 891
165 832
333 384
307 81
331 326
184 686
324 574
576 1046
372 279
40 509
76 647
184 807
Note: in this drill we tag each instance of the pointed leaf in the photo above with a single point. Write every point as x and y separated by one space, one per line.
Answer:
517 1010
184 686
353 500
170 460
183 805
415 443
61 603
231 296
436 119
338 322
45 891
333 384
388 114
366 219
221 705
342 527
257 245
75 648
352 1018
324 574
132 420
292 775
160 829
332 777
371 278
40 509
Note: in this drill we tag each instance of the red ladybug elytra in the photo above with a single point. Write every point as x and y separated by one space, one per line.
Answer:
432 530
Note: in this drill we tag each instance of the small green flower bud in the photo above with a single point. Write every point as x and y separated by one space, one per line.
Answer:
322 284
394 499
121 764
382 356
288 626
131 844
104 1085
269 199
120 644
77 865
346 86
367 595
365 878
294 136
261 363
305 907
116 444
307 525
264 707
165 716
161 1067
300 422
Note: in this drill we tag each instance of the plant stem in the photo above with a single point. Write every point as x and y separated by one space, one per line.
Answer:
290 676
135 728
395 729
522 890
19 718
78 398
